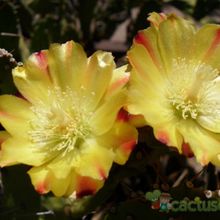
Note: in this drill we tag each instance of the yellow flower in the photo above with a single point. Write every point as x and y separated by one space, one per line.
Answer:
67 127
175 84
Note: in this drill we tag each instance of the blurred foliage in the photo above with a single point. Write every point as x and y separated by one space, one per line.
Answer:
31 25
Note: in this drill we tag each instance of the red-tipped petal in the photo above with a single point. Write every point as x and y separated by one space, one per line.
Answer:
41 188
214 45
142 38
86 186
186 150
163 137
123 115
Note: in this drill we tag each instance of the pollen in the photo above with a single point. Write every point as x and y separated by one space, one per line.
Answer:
61 125
191 88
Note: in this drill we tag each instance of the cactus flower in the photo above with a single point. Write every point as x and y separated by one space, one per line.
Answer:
175 84
67 126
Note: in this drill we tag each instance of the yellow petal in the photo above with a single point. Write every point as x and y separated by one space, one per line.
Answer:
40 178
61 165
74 184
122 138
144 66
207 45
97 76
15 115
18 150
105 115
4 135
83 185
145 100
119 79
210 122
67 63
33 80
156 18
95 161
168 134
147 40
209 117
174 39
59 186
204 144
146 85
137 120
44 181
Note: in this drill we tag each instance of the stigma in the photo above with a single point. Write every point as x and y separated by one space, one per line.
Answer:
191 89
61 125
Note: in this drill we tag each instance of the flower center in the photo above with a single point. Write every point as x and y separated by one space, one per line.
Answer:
62 124
191 88
186 108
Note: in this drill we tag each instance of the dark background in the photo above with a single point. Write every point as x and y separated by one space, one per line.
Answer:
27 26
